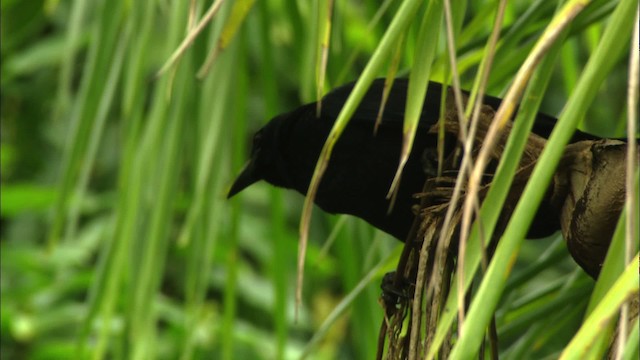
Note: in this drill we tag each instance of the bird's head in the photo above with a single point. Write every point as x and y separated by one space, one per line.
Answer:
266 161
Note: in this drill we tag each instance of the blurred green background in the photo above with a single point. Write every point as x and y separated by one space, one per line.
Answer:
116 238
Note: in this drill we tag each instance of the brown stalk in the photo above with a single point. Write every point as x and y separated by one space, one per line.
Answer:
191 37
631 196
551 34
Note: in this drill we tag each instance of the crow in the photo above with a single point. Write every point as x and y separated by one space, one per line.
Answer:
362 165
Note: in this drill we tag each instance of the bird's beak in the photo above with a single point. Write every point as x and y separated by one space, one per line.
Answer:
245 179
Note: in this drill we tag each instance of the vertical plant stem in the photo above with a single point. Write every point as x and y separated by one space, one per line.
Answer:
632 159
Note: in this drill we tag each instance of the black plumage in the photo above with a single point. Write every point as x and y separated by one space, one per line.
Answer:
362 165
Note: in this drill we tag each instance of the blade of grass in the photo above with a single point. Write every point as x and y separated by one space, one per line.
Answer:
632 159
348 65
211 218
397 26
625 287
209 142
480 85
492 205
324 36
104 39
351 249
503 114
608 51
281 249
78 12
238 14
96 134
388 81
580 289
191 37
427 43
347 301
153 251
554 254
106 32
631 350
138 162
230 290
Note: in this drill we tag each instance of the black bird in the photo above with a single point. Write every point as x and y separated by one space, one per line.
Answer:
362 165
